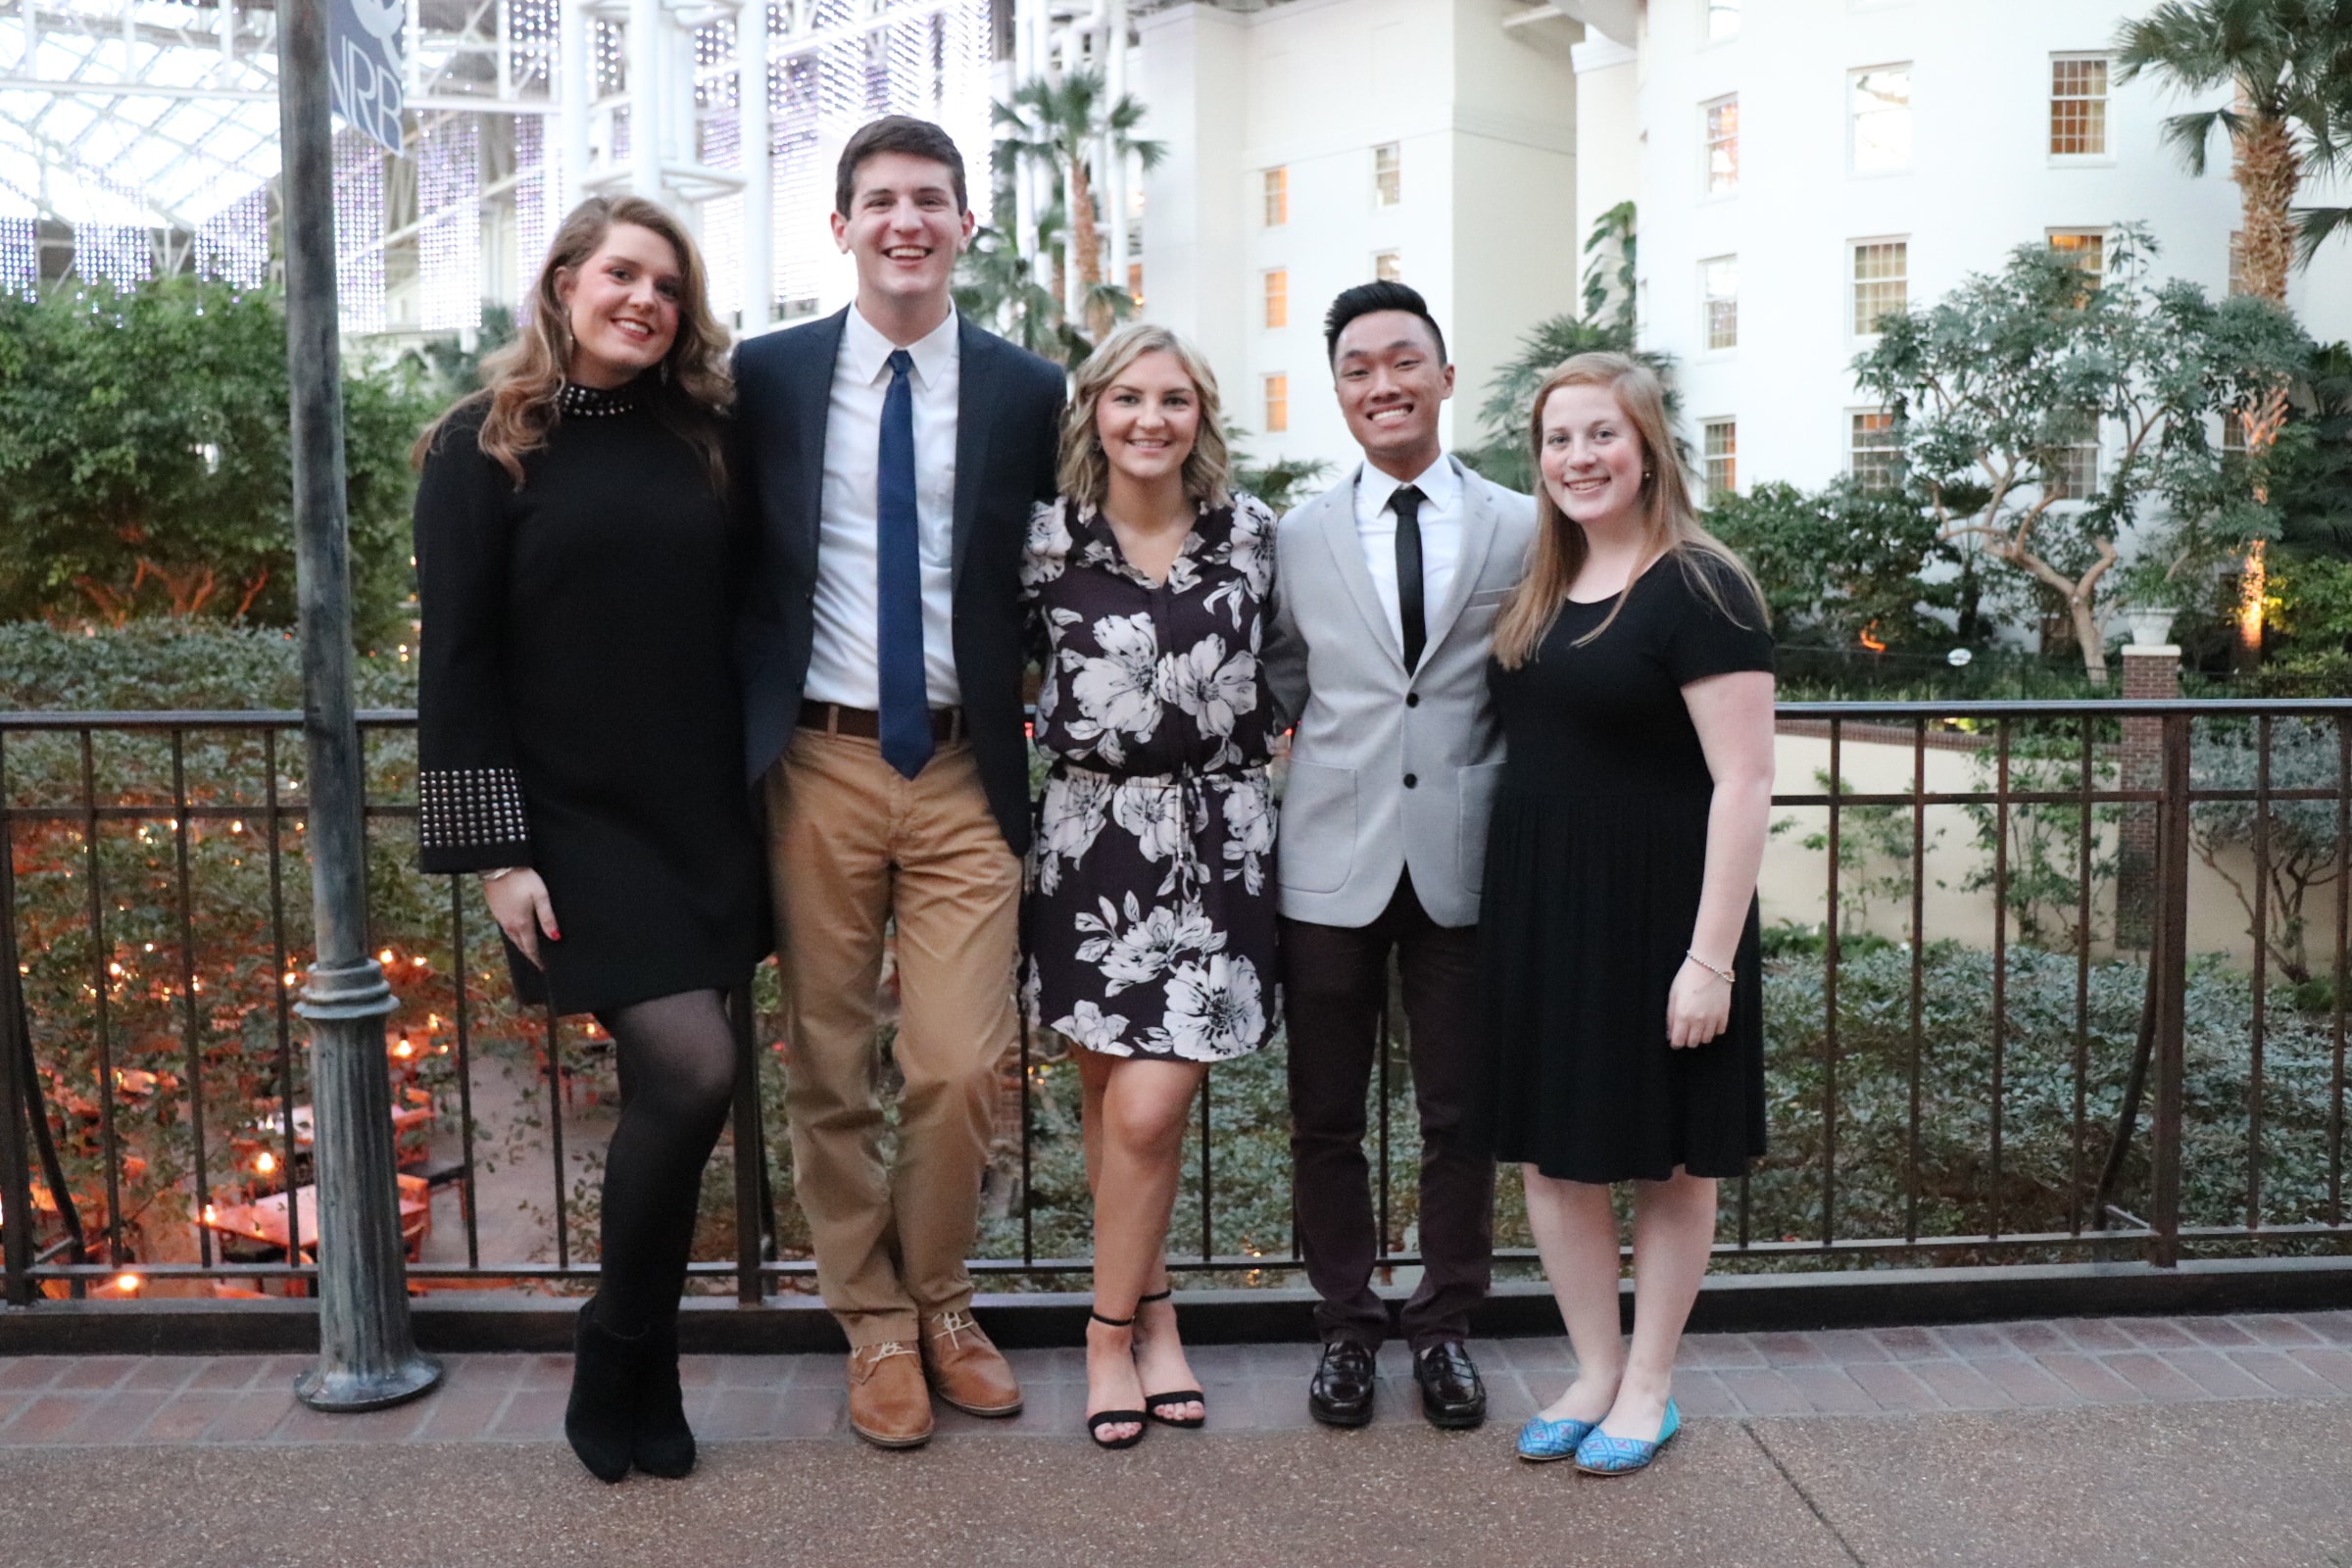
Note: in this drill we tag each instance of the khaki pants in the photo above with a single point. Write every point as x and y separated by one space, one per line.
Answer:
851 845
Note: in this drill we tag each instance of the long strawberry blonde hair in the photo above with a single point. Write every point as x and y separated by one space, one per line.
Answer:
1670 525
522 381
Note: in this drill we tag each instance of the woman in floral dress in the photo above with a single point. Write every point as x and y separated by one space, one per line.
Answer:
1150 917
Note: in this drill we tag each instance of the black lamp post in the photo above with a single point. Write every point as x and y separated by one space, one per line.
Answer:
368 1356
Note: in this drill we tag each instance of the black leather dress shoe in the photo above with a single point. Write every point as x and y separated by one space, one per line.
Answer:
1452 1395
1342 1394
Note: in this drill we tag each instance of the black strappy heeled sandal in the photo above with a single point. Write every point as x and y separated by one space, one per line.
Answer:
1155 1403
1114 1418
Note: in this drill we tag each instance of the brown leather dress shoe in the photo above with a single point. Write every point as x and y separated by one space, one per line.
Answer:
888 1406
965 1367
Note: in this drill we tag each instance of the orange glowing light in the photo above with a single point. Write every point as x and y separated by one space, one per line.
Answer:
404 1049
127 1284
2253 585
384 956
1870 642
264 1162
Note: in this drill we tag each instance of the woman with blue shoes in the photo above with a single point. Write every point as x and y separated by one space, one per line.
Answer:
1632 678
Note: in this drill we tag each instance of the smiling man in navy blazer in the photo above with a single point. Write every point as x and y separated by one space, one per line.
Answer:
889 457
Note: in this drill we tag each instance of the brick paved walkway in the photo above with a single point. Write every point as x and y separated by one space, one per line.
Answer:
164 1401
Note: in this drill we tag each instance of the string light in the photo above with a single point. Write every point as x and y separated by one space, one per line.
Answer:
20 256
120 253
233 245
359 232
533 222
449 238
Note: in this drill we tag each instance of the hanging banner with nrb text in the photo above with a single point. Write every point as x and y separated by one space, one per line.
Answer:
364 66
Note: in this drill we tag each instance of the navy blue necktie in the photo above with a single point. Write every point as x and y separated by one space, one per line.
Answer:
905 708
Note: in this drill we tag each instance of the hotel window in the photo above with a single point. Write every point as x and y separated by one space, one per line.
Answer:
1879 115
1723 145
1135 283
1278 297
1278 404
2233 433
1721 438
2086 248
1881 274
1873 449
2079 107
1719 285
1388 265
1388 175
1278 197
1723 19
2076 477
2237 264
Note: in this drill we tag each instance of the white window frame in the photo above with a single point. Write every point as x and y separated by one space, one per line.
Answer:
2105 100
1855 113
1266 401
1382 201
1848 419
1266 296
1707 188
1708 457
1266 183
1709 10
1853 284
1394 257
2105 236
1707 299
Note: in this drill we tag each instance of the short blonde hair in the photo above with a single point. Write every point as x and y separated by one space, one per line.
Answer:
1085 466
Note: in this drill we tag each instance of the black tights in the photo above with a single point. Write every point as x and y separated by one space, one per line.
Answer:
677 1080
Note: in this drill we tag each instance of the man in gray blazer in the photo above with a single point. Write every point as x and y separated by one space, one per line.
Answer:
1388 585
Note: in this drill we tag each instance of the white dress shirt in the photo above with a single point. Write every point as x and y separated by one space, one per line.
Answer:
845 663
1441 519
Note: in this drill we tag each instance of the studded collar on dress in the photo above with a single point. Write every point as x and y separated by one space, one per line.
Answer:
596 402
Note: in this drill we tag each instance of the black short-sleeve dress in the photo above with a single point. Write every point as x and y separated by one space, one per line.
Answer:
577 699
1594 859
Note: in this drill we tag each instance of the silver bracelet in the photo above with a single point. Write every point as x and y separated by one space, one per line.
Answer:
1730 977
489 877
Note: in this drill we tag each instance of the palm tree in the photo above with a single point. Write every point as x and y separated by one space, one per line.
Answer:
1067 126
2289 62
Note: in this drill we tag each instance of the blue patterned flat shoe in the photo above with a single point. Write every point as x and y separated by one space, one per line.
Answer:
1542 1441
1600 1454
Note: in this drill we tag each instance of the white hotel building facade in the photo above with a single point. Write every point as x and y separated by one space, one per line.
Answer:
1797 165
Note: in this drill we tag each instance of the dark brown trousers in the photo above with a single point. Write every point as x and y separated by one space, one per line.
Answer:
1335 979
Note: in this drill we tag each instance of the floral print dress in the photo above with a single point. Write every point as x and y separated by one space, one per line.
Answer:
1152 894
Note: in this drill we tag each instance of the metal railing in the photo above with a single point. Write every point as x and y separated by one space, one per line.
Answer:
2042 1070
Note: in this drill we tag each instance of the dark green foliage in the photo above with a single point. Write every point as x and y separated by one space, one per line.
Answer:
2311 469
1844 562
144 466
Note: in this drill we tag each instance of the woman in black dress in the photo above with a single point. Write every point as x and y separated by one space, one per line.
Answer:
579 744
1633 679
1150 910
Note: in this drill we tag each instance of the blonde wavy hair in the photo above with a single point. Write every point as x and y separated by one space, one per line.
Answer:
522 381
1086 468
1670 525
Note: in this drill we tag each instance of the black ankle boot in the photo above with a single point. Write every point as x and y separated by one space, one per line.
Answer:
603 1377
664 1443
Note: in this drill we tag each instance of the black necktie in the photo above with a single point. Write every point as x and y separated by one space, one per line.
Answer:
1414 625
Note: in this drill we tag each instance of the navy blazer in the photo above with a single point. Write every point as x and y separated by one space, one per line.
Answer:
1007 436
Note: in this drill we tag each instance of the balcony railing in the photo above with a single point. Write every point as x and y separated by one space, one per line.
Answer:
2045 982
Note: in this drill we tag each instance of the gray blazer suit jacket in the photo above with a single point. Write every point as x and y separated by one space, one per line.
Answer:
1391 770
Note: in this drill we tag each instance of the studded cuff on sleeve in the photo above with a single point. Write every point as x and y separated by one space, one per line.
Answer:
471 819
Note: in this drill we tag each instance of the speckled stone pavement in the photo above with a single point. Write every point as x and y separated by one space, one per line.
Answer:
2191 1441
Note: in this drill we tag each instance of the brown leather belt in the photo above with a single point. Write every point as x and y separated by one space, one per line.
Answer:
947 723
